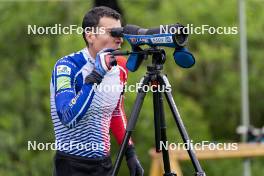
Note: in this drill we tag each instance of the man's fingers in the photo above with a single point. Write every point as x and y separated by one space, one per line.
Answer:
110 61
113 61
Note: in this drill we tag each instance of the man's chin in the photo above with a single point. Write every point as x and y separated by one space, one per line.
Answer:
117 47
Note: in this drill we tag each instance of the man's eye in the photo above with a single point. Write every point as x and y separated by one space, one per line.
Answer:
107 31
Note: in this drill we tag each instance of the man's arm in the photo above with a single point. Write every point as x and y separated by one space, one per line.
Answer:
118 126
119 122
71 107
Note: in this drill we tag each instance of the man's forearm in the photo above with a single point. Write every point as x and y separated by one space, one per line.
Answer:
71 108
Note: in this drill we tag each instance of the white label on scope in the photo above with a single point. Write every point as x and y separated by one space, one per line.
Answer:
167 39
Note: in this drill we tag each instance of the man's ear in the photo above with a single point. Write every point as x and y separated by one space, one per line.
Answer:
90 37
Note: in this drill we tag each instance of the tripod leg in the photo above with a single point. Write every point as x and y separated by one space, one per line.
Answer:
157 128
181 127
131 124
158 104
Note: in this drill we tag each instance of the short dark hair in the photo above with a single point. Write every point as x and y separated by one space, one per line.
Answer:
92 17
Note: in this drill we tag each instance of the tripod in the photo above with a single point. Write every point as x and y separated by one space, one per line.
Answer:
155 78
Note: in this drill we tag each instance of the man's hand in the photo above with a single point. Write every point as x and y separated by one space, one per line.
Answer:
104 61
135 167
133 164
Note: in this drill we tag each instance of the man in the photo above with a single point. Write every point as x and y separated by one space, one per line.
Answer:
83 114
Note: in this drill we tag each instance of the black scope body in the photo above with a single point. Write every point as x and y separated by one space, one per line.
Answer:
178 34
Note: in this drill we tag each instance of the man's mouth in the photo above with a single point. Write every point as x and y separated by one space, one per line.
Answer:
118 44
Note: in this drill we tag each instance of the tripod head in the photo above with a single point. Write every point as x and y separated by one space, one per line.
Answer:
182 56
158 56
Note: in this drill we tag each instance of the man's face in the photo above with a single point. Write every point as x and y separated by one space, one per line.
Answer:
101 41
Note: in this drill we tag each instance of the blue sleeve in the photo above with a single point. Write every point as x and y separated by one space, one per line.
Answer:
71 107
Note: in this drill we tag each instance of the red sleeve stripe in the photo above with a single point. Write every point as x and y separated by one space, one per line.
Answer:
125 73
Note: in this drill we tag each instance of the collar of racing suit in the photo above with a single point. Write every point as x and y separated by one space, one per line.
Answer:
87 55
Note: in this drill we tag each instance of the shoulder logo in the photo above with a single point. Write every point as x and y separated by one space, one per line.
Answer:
63 70
63 82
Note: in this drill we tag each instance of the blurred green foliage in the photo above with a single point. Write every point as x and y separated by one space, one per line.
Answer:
207 95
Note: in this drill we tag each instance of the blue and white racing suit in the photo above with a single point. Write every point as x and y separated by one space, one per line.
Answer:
83 113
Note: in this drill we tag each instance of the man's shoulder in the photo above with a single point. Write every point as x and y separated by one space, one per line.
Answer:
74 60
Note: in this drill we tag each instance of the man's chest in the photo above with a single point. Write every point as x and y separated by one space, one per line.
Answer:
108 92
